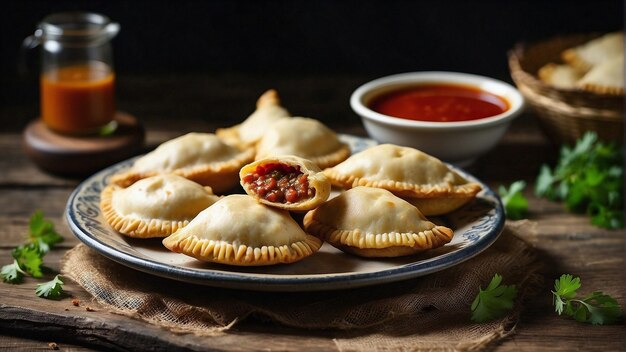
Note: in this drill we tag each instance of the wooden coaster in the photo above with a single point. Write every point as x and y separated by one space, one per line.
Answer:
82 155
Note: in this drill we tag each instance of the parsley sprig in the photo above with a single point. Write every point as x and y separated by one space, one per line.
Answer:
588 177
494 301
596 308
515 204
52 289
42 233
28 258
12 273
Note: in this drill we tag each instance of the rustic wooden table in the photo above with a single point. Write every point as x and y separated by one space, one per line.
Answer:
567 243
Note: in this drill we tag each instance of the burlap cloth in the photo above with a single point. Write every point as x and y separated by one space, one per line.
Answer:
426 313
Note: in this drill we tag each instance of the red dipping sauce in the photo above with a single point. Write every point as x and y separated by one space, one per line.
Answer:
439 103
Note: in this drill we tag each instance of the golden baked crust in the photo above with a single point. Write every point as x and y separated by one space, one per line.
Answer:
439 205
200 157
605 78
372 222
154 207
560 76
249 132
306 138
316 180
408 173
238 230
594 52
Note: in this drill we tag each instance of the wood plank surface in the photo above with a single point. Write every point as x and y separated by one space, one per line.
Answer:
568 243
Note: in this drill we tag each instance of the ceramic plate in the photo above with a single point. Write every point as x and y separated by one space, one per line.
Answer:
476 227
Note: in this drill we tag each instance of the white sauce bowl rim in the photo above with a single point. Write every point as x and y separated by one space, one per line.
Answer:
362 95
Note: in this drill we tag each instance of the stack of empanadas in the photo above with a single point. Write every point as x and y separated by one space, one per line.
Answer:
596 66
284 164
249 132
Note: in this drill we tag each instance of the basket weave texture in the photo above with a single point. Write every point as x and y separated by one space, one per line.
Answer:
564 114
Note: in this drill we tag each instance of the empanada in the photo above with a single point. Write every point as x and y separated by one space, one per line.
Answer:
560 76
372 222
594 52
605 78
246 134
421 179
303 137
287 182
238 230
200 157
155 206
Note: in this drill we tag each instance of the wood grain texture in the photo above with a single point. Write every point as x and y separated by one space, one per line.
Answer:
568 243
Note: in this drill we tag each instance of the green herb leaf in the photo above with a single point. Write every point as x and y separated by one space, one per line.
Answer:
515 204
543 185
566 286
51 289
494 301
588 178
29 258
602 308
596 308
42 232
12 273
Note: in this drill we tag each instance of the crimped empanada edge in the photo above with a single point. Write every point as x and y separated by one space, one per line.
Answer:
334 158
423 240
405 189
241 255
221 172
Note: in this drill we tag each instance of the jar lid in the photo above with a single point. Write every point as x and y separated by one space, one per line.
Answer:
77 27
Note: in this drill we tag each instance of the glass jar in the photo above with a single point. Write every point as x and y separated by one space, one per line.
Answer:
77 77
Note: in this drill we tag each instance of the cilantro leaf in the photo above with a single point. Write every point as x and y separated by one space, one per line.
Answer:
566 286
543 185
596 308
12 273
603 309
494 301
589 179
29 258
515 204
51 289
42 232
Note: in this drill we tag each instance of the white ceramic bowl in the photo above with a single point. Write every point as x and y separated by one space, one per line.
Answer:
455 142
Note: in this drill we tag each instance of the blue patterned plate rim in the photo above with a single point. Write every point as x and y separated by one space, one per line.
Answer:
84 219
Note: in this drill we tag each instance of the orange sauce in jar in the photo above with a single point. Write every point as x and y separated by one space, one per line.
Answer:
78 99
440 103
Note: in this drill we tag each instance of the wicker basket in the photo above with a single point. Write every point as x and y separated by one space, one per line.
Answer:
564 114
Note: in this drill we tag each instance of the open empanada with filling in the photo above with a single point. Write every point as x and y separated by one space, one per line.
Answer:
372 222
155 206
304 137
421 179
287 182
246 134
238 230
200 157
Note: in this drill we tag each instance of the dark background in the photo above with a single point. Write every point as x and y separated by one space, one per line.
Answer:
202 52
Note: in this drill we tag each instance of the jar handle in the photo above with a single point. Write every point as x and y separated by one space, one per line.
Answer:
29 43
112 29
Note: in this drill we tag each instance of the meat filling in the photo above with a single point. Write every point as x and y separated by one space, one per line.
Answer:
279 183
